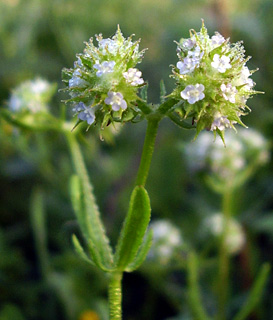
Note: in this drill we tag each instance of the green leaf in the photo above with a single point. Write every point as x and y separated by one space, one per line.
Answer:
142 253
162 91
180 122
134 228
38 223
144 92
143 106
79 249
85 206
255 294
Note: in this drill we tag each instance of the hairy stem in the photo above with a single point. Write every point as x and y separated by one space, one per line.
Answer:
147 152
115 296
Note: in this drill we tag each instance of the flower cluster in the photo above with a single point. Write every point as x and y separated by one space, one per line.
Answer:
104 82
31 96
213 81
235 239
245 149
166 240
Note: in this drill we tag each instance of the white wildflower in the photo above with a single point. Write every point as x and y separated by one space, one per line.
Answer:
217 40
109 45
220 122
245 80
76 80
229 92
235 238
104 68
133 77
186 66
193 93
85 113
188 44
166 239
115 99
196 54
221 63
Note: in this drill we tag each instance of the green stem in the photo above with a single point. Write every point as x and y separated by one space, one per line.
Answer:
115 295
147 152
224 261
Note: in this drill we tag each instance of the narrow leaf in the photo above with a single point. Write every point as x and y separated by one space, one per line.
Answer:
89 216
255 294
162 91
144 107
142 253
79 249
180 122
97 258
195 300
38 222
144 92
134 228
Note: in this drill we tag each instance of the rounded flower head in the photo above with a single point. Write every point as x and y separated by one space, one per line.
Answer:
104 82
167 239
213 81
235 239
244 150
31 96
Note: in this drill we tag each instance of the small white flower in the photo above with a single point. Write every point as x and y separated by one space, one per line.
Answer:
229 92
245 80
115 99
78 63
104 68
217 40
108 45
133 77
186 66
220 122
85 113
188 44
235 238
166 239
39 86
196 54
76 80
193 93
221 63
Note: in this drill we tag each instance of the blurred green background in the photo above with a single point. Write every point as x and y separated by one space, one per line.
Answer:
39 38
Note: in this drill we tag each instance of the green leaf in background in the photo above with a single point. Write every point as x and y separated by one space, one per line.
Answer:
86 208
255 294
163 91
134 228
38 222
79 249
195 299
9 312
144 92
142 253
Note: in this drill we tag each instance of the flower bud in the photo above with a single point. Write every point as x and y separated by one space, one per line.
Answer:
104 82
213 81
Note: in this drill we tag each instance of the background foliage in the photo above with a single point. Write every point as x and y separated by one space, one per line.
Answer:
39 271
